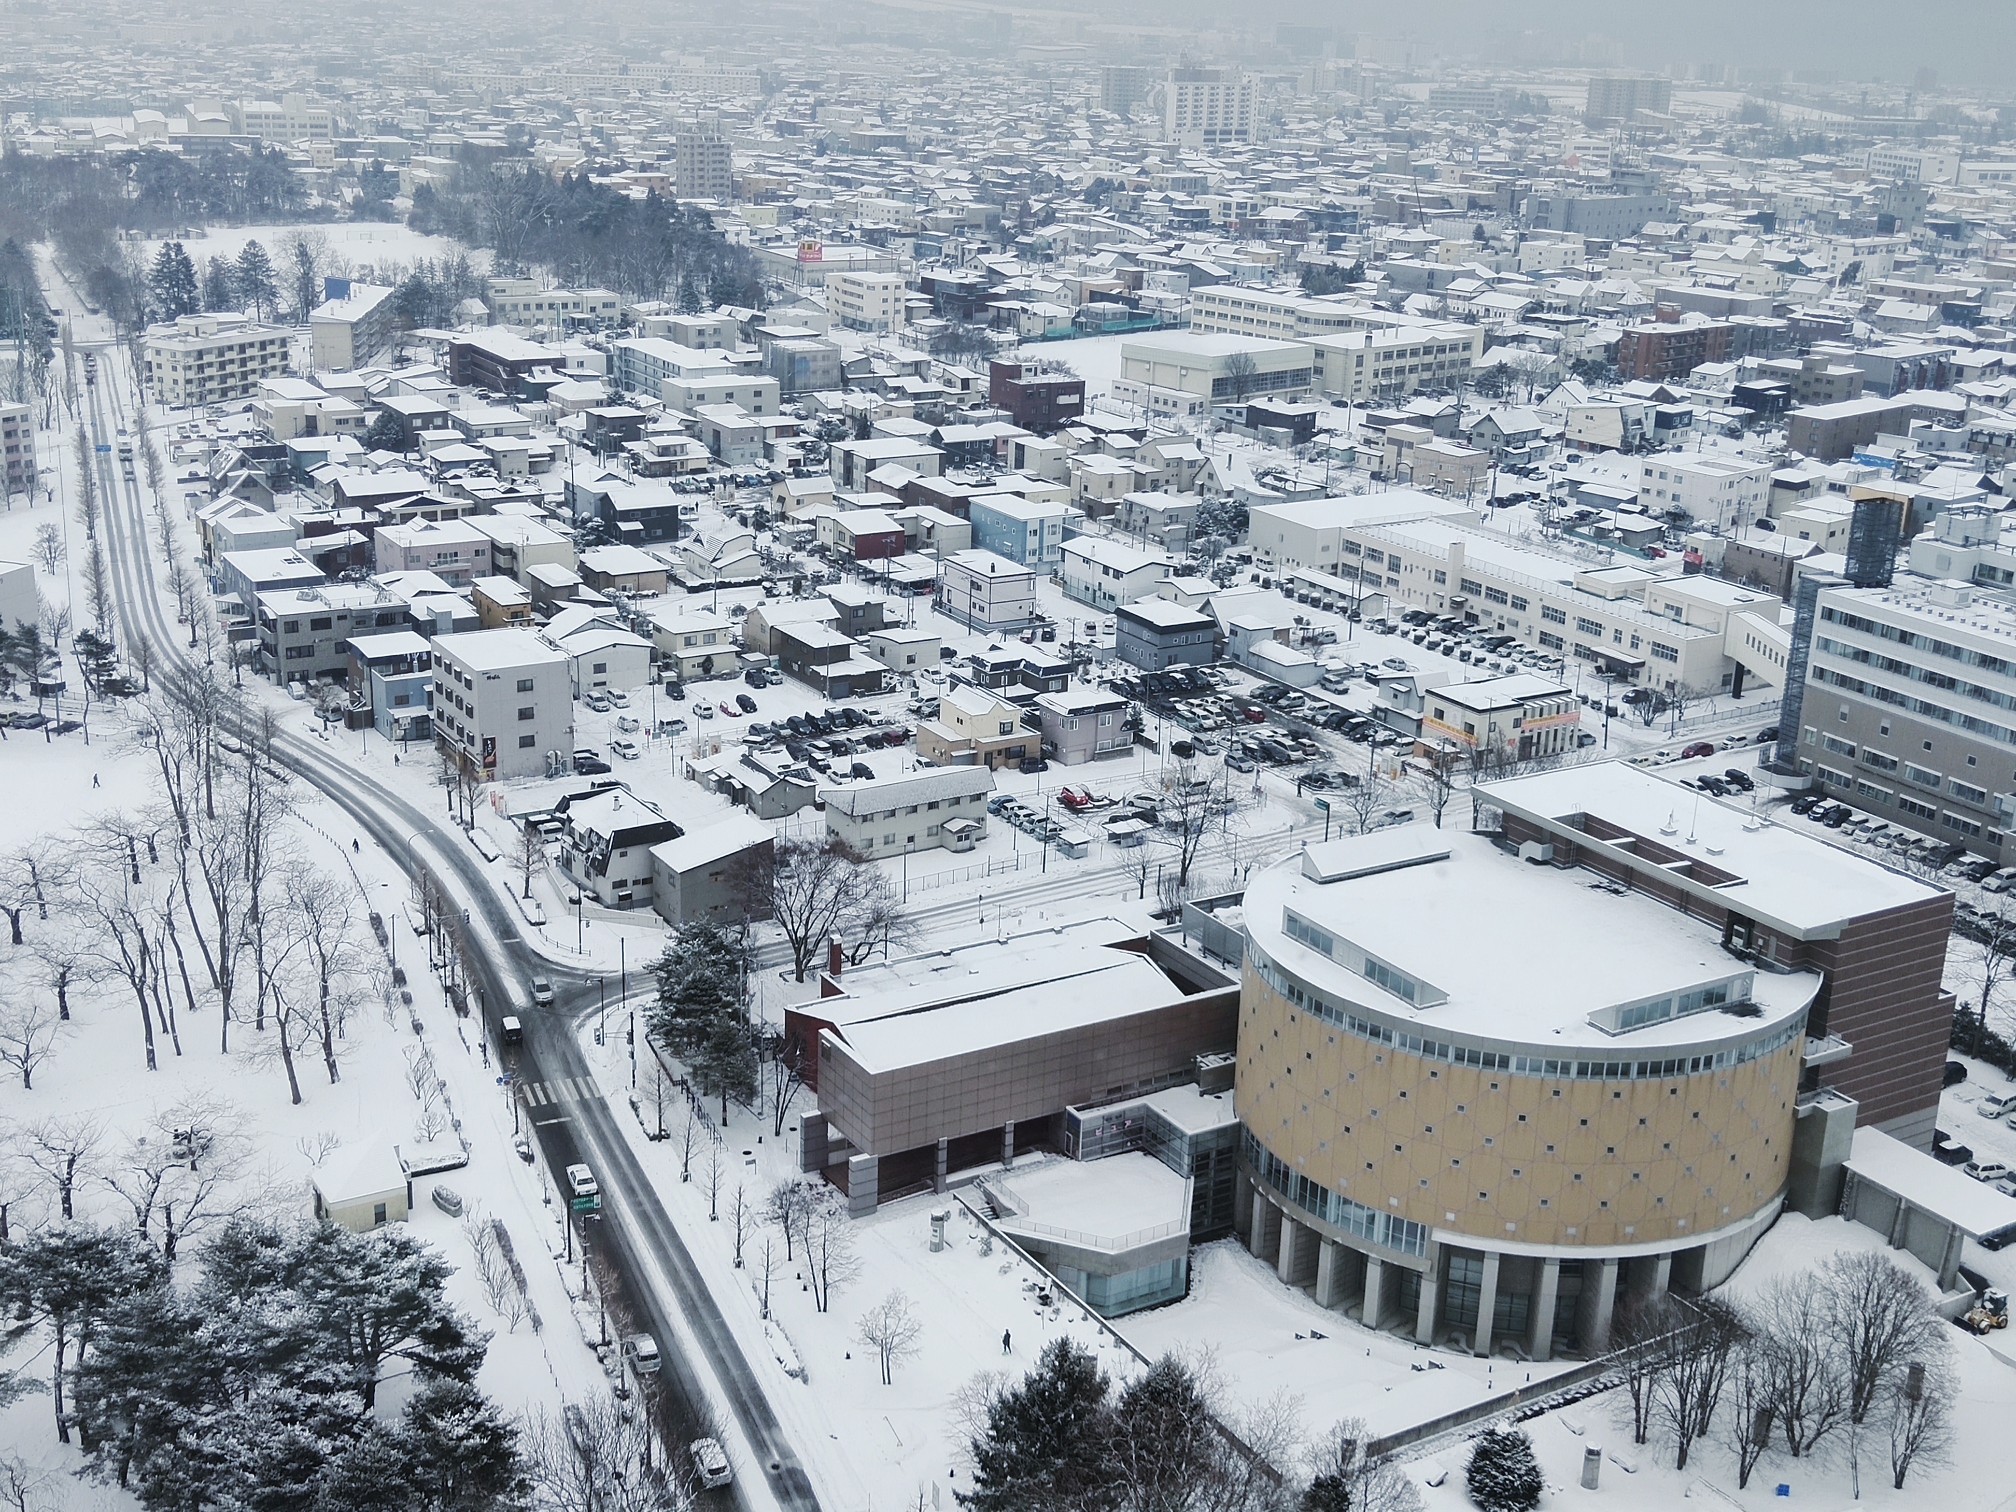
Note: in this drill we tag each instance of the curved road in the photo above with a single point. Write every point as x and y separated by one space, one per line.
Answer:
657 1270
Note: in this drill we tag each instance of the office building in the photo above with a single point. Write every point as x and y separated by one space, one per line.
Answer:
1122 86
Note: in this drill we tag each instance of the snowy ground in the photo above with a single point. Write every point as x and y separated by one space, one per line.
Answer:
1096 359
350 247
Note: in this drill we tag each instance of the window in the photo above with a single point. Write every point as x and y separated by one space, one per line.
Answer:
1665 652
526 742
1588 627
1921 776
1968 793
524 685
1551 641
525 714
1552 615
1518 604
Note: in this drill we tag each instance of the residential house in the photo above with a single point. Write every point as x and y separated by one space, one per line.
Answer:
700 876
1156 633
1084 724
503 702
892 816
986 592
976 727
606 842
1106 573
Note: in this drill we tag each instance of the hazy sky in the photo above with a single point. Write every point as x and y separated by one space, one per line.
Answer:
1970 40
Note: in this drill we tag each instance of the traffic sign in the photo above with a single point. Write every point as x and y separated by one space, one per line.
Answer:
1323 804
105 447
587 1204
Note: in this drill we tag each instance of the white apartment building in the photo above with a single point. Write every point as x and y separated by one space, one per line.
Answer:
1209 107
503 702
17 448
524 302
1395 356
893 816
1106 574
453 550
1275 314
1727 492
986 592
751 392
209 359
703 167
354 327
1914 165
866 301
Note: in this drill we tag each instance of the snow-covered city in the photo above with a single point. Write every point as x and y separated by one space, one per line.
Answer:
1133 760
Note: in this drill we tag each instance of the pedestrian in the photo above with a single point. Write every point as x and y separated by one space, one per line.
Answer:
356 847
94 779
1006 1347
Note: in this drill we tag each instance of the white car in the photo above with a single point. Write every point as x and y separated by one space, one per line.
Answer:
582 1183
617 697
710 1463
1990 1171
599 702
624 747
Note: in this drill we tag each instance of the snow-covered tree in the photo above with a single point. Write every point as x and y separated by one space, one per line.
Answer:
1503 1475
171 283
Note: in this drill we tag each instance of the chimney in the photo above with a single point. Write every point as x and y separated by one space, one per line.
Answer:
836 955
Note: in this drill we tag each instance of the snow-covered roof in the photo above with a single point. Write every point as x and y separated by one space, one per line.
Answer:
1973 1207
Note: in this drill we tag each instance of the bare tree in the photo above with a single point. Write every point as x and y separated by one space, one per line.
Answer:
1240 373
1985 956
63 1152
183 1172
711 1167
1810 1394
30 876
1187 810
1435 783
891 1328
335 959
689 1136
30 1027
1366 799
119 908
531 855
815 890
1638 1345
741 1218
1687 1387
785 1056
1341 1475
1921 1412
790 1202
1882 1319
48 550
1749 1423
830 1260
593 1458
768 1263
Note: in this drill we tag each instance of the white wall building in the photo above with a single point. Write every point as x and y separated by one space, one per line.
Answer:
208 359
1728 492
986 592
503 701
1209 107
866 301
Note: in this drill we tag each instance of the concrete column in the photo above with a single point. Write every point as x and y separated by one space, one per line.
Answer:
1900 1225
1373 1312
1291 1249
1662 1277
864 1175
1008 1143
1242 1201
944 1165
1546 1290
1487 1302
1602 1305
1431 1297
1949 1260
812 1142
1256 1228
1326 1272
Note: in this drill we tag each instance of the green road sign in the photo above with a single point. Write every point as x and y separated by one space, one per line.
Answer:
587 1204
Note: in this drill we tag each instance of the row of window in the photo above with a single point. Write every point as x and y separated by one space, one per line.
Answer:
1877 693
1560 1069
1340 1212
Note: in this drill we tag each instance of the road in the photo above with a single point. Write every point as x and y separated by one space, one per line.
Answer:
657 1271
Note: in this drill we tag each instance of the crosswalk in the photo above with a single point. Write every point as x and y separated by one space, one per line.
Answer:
566 1089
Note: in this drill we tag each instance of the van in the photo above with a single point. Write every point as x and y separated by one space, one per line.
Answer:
643 1352
511 1030
1995 1104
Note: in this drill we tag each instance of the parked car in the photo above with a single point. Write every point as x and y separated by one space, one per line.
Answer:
448 1200
1956 1073
710 1464
642 1351
599 702
745 703
617 698
1986 1170
729 709
704 710
1699 748
624 747
1995 1104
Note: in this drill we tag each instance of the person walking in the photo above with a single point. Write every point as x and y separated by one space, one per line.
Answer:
1006 1347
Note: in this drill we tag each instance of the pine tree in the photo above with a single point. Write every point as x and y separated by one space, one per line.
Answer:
220 285
1044 1446
1503 1474
256 284
172 283
385 433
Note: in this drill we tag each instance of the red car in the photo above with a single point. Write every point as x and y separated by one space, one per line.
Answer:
730 710
1254 714
1699 748
1075 798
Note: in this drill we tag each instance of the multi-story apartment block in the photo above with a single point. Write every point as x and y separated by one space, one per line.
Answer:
1209 107
503 702
17 449
1727 492
1034 399
454 550
866 301
209 359
703 165
1625 98
1656 350
526 302
1475 1141
1028 533
356 324
892 816
304 633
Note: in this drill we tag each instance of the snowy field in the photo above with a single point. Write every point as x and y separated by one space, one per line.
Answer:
1096 359
351 246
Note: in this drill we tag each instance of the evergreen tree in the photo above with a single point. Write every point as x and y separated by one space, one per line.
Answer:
385 433
220 285
1328 1492
171 283
1044 1446
1503 1474
257 286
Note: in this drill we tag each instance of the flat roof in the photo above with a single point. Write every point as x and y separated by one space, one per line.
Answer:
1973 1207
497 650
1783 875
1543 948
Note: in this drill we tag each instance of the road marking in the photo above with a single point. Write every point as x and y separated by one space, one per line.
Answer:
564 1090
